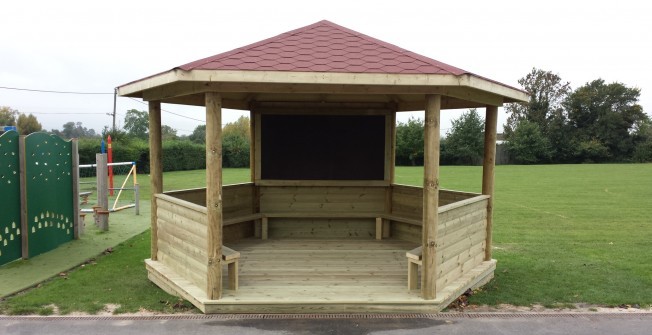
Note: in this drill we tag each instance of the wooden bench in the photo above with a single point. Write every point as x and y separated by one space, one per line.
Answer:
414 261
231 257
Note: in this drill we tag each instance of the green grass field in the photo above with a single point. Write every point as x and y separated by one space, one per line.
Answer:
563 234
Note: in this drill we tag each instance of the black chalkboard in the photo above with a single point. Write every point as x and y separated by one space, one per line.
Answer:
322 147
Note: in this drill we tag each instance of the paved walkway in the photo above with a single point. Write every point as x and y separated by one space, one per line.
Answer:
579 324
19 275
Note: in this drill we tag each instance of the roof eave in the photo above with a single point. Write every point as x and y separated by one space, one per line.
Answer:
400 81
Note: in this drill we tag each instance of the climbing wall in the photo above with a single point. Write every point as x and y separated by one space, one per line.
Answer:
49 189
10 238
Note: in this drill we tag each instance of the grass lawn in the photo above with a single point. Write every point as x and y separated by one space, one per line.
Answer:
563 234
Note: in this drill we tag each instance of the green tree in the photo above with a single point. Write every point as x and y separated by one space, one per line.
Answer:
28 124
547 94
8 116
604 118
465 142
168 133
199 134
528 145
74 130
137 123
546 109
409 142
235 143
643 150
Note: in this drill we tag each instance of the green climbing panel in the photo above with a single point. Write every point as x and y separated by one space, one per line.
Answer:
49 188
10 239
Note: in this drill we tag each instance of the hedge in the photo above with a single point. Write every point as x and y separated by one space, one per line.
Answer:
177 155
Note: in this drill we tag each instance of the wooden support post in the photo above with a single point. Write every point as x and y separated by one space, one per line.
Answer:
430 197
78 225
392 173
214 194
155 168
379 228
102 221
488 166
264 228
252 146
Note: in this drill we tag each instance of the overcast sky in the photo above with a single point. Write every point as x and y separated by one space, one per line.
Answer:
94 46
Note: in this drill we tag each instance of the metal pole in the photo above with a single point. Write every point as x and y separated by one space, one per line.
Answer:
115 96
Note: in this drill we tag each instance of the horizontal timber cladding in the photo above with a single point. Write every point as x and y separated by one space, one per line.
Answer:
337 200
322 228
195 195
461 239
182 238
237 201
407 201
323 199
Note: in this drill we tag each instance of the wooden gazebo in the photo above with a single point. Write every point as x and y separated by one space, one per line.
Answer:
322 226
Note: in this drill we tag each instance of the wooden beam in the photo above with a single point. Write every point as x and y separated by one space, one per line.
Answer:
488 167
214 194
430 196
252 146
155 168
257 147
166 84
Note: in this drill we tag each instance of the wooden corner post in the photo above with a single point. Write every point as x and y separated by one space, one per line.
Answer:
155 167
430 197
214 194
488 166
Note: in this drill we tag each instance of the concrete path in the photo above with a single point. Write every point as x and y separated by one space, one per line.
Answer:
578 324
123 225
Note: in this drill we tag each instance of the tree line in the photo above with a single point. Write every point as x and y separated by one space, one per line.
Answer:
597 122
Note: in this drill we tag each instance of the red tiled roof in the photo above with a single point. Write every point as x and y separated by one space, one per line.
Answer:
323 47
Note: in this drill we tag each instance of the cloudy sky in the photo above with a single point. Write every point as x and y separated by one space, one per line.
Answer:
94 46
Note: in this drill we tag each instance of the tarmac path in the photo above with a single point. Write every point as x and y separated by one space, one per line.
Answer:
444 323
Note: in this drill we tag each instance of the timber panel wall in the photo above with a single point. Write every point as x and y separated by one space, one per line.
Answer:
461 238
182 238
237 200
333 200
407 201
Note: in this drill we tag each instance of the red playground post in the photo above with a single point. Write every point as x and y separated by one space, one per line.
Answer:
110 160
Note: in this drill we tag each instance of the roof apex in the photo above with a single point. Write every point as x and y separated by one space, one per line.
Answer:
323 47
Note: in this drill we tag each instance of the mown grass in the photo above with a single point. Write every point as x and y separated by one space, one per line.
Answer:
563 234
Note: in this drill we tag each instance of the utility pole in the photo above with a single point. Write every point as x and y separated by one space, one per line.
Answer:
115 96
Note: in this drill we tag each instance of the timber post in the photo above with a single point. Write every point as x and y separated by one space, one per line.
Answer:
430 196
155 167
488 167
214 194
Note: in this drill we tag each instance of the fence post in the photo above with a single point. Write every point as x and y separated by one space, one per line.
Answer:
24 227
137 198
101 215
78 228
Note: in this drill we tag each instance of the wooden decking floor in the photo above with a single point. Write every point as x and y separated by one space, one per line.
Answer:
315 271
314 276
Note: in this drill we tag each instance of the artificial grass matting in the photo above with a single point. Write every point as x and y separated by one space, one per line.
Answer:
123 225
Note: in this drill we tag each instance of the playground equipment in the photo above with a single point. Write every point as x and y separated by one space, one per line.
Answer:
94 189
